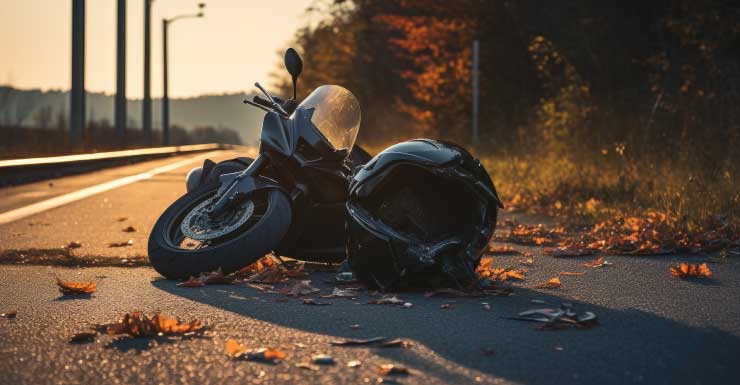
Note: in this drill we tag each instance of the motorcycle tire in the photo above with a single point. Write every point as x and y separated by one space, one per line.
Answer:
233 251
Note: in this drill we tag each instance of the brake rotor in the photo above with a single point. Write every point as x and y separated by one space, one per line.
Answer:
198 225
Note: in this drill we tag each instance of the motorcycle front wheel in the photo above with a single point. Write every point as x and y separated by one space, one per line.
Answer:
244 235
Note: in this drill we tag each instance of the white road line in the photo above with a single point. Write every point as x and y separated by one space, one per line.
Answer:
14 215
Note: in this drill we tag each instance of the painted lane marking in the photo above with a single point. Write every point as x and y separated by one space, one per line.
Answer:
35 208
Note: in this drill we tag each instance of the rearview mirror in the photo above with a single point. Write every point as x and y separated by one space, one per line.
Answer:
294 65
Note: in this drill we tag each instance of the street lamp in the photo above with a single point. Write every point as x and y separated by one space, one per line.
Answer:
165 96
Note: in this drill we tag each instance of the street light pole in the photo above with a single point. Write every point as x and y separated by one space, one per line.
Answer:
120 110
77 93
146 105
165 92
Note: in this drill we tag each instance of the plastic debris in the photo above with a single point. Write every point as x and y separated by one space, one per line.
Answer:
552 318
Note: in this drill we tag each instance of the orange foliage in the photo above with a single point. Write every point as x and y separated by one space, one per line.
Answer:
74 288
685 270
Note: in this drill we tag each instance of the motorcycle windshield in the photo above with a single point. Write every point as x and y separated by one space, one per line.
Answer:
336 115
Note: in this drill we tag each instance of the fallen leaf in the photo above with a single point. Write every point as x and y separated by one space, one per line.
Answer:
236 350
75 288
192 282
527 262
299 288
82 338
128 243
488 351
686 270
74 245
308 366
391 369
130 229
9 314
598 262
310 301
485 270
353 364
569 251
502 250
395 343
121 219
342 293
137 324
388 300
553 283
572 273
323 359
351 342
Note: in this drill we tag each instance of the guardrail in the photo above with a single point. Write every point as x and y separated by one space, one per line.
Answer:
16 171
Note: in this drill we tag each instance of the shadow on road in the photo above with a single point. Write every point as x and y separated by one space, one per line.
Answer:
630 346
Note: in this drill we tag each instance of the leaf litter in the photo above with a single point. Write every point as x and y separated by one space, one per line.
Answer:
138 324
238 351
690 270
76 288
554 319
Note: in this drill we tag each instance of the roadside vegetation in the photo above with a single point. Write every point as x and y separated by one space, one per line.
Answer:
595 115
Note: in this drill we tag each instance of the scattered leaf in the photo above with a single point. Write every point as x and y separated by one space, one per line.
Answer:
128 243
488 351
395 343
137 324
299 288
342 293
485 270
9 314
553 283
236 350
130 229
388 300
598 262
569 251
351 342
308 366
353 364
506 249
572 273
83 338
74 245
122 219
391 369
311 301
75 288
323 359
686 270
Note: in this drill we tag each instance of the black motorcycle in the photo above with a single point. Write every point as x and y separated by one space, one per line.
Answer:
290 199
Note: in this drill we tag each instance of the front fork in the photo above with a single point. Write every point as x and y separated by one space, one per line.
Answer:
227 193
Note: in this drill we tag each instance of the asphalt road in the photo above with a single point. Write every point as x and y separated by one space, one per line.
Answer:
655 329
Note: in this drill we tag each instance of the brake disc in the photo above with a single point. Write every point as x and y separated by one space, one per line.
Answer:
198 225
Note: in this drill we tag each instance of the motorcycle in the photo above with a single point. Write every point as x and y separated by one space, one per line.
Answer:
289 200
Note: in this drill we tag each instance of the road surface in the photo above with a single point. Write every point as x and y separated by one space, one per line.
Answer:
655 329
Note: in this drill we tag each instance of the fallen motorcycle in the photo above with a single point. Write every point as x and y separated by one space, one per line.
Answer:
289 199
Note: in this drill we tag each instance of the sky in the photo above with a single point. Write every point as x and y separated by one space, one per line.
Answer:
234 45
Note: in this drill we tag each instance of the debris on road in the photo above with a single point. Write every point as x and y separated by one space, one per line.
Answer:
128 243
122 219
485 270
342 293
9 314
552 319
137 324
390 300
351 342
569 251
506 250
353 364
486 305
130 229
391 369
76 288
238 351
323 359
598 262
74 245
553 283
446 306
691 270
311 301
299 288
213 278
265 270
82 338
572 273
308 366
354 326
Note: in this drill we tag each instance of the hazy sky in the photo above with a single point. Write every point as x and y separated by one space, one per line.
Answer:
229 49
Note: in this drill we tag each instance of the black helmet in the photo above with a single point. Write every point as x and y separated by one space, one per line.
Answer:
420 214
